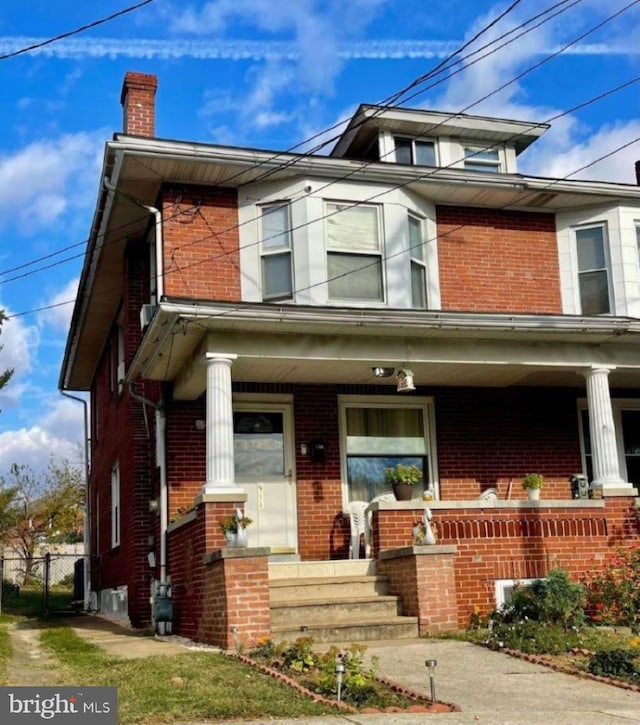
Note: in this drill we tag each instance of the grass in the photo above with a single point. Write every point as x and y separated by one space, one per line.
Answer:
5 649
192 686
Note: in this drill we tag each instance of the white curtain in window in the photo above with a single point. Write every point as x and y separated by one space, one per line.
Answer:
353 228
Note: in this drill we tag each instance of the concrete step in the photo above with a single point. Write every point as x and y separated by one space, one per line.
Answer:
348 609
327 588
316 569
365 630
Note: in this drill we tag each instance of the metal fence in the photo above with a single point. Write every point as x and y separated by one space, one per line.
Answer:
51 581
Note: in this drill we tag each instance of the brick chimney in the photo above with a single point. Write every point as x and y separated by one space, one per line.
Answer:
638 173
138 99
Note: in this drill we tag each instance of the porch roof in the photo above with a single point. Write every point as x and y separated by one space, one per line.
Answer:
320 345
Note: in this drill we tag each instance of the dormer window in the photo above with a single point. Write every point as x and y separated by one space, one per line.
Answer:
477 158
414 151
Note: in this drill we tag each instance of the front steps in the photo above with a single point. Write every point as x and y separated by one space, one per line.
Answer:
334 601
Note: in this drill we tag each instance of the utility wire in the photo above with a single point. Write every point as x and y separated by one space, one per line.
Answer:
81 29
379 109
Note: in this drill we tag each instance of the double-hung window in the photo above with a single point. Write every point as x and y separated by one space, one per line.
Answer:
418 267
354 251
414 151
593 275
638 239
275 239
477 158
115 505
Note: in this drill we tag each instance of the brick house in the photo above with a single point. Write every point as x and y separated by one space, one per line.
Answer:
241 320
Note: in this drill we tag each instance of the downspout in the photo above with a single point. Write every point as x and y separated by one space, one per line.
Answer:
87 504
158 225
161 460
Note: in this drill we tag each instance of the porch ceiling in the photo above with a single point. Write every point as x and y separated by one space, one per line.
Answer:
320 350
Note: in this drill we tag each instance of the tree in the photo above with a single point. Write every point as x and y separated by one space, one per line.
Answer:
6 375
40 509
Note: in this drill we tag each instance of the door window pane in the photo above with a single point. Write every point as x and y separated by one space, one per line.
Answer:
258 444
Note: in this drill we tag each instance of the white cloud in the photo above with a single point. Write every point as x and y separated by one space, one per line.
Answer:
20 343
59 316
40 182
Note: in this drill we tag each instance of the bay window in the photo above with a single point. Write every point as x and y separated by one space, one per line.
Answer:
275 243
593 274
418 267
354 251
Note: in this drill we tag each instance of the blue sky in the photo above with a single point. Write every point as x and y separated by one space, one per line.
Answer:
264 74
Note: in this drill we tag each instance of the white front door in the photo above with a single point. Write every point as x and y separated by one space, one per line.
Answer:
264 468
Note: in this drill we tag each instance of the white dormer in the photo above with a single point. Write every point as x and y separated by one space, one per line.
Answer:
429 138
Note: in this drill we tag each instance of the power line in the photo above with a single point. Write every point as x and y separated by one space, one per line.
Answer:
76 31
378 110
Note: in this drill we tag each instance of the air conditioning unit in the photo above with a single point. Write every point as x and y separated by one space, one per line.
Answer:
146 314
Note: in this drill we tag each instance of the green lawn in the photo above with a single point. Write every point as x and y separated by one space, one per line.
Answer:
190 686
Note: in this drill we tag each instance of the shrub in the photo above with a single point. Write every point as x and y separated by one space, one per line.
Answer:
532 637
614 663
613 594
554 600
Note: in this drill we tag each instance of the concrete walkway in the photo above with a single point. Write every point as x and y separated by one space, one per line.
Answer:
490 687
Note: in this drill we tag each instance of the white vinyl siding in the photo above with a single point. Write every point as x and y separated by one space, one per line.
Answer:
354 251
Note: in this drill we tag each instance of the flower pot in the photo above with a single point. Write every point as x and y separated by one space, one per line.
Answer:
238 539
533 494
402 491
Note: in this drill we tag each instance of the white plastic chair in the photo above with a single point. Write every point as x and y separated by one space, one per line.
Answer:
368 515
358 522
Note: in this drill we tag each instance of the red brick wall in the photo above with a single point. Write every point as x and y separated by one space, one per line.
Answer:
489 436
497 261
123 437
512 544
186 454
200 236
211 599
426 586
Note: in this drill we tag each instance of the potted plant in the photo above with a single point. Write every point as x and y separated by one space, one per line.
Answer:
532 483
234 528
402 479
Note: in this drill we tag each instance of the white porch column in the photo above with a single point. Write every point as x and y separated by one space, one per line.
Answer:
604 450
219 431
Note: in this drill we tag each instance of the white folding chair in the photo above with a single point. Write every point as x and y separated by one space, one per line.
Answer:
357 522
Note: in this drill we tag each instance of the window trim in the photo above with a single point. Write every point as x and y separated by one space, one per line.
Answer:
413 139
426 403
502 584
116 533
607 260
379 253
280 250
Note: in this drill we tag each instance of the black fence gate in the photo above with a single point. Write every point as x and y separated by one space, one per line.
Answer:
42 584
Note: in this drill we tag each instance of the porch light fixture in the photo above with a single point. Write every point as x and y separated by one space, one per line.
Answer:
381 372
405 380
